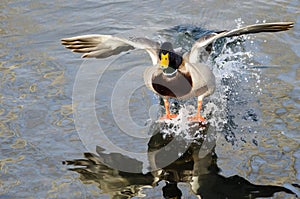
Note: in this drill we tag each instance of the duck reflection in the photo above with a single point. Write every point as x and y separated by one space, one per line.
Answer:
197 166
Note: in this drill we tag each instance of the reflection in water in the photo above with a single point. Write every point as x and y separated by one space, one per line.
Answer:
193 167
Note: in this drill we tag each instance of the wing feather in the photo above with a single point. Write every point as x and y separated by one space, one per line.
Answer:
102 46
201 44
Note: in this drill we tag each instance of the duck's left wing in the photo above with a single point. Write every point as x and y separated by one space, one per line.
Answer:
204 43
102 46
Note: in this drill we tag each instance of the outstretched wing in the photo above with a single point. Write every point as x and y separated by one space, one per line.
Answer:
204 42
102 46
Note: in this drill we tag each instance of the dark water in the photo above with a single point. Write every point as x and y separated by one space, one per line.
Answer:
46 92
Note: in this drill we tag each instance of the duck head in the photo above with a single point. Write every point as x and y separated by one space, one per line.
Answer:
169 60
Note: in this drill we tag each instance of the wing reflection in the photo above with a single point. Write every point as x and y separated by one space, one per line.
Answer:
193 167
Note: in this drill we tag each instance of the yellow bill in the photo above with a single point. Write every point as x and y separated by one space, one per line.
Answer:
164 60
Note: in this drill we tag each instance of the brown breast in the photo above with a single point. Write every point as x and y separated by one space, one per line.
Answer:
176 87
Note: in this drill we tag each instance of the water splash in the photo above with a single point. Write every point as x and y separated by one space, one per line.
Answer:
182 126
237 84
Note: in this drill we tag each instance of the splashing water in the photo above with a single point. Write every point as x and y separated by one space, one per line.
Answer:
182 126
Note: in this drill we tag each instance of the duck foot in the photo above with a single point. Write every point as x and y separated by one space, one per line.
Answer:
168 117
197 118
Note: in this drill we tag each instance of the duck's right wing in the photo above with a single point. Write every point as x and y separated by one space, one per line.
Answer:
102 46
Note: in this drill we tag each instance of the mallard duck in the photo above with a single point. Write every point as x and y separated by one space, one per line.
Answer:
172 75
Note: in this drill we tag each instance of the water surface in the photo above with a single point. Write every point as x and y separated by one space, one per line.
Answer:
257 122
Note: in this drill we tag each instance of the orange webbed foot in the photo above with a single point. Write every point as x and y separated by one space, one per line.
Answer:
197 118
168 117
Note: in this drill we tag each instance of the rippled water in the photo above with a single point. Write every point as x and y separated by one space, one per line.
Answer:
255 110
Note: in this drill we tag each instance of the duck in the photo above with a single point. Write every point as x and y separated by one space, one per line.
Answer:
171 75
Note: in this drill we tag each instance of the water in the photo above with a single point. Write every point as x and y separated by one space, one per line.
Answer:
254 114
